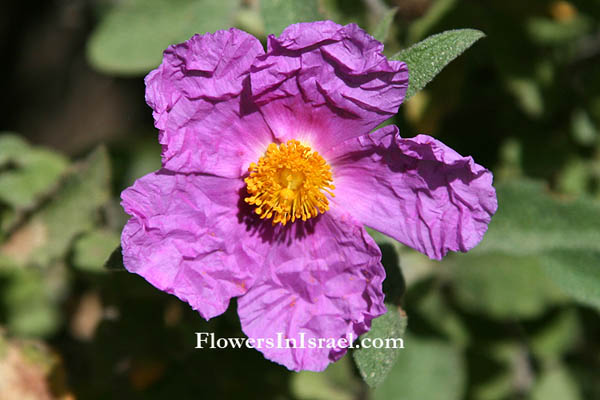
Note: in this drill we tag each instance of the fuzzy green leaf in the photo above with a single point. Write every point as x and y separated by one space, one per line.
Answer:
375 364
530 221
561 235
280 13
435 13
425 369
93 249
557 336
382 30
577 273
31 299
556 383
546 31
427 58
483 281
337 382
115 260
73 209
26 173
132 36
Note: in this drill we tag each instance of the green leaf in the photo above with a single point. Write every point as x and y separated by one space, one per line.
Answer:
131 37
556 336
426 369
432 308
145 159
93 249
250 20
345 12
493 367
382 30
546 31
11 146
72 210
438 10
528 95
427 58
583 129
374 364
28 173
280 13
115 260
337 382
556 384
503 286
31 299
577 273
561 234
530 221
574 178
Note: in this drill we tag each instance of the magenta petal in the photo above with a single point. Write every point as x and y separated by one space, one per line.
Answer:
326 284
418 191
185 238
324 83
206 123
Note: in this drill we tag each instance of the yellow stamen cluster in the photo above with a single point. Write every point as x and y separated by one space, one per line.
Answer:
288 183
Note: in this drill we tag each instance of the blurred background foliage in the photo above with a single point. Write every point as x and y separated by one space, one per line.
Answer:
516 318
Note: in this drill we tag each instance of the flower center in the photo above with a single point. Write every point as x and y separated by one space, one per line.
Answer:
288 183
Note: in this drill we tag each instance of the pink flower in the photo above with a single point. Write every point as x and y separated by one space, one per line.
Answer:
270 171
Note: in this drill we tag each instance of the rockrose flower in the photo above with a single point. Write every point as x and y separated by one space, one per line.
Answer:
270 169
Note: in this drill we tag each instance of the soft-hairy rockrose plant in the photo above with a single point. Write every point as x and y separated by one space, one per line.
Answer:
270 169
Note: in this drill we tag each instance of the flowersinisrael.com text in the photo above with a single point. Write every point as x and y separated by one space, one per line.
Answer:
207 340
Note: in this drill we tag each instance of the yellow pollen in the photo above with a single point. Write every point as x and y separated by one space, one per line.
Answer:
288 183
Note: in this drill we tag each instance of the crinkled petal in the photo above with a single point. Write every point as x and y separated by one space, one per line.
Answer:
322 285
418 190
185 238
324 83
207 123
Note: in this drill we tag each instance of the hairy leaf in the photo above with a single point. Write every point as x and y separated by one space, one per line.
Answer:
373 363
426 369
73 209
382 30
280 13
560 235
131 37
503 286
115 260
93 249
427 58
26 173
